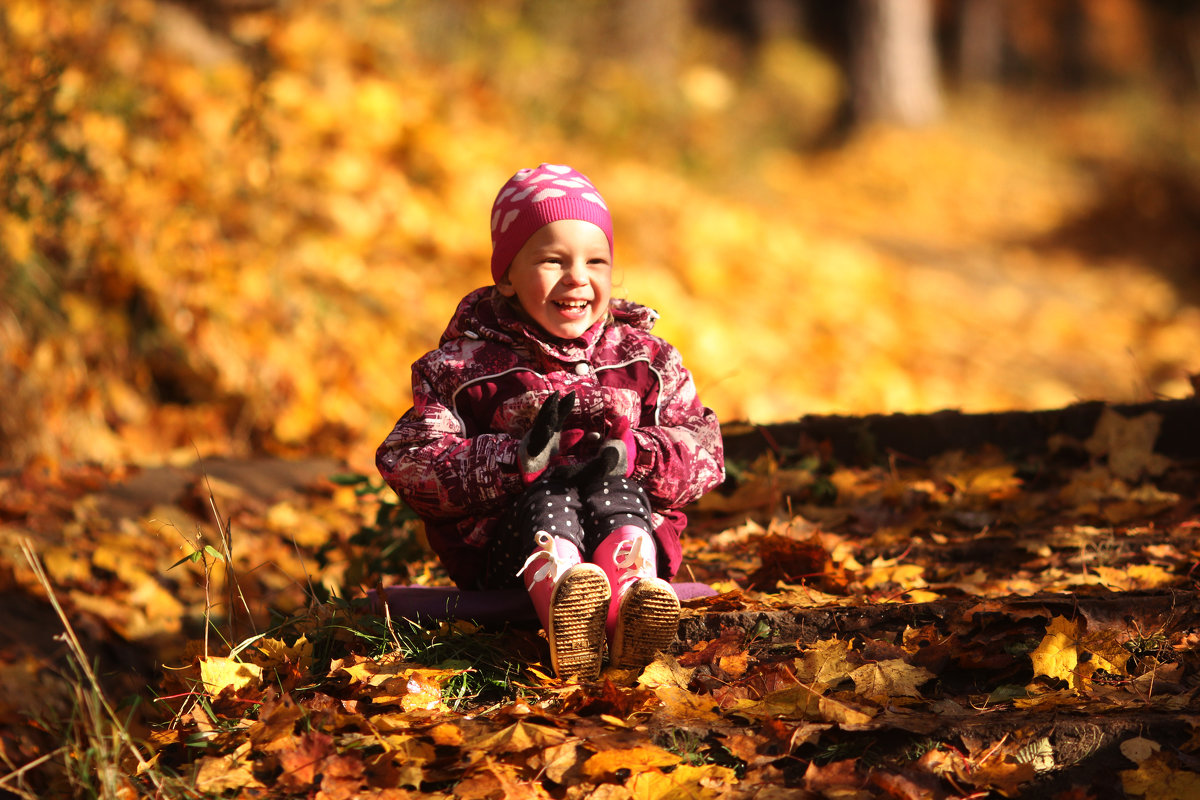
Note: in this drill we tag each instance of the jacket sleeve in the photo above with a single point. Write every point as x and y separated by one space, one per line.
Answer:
439 471
681 457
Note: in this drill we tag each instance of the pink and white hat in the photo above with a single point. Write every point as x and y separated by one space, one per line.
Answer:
535 197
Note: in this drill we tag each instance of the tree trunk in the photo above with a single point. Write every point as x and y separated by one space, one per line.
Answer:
650 34
980 41
893 62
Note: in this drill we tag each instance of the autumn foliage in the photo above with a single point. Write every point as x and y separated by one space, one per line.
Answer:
225 237
236 238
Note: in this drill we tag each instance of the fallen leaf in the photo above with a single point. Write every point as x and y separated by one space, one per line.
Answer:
1156 778
607 763
519 737
1139 748
826 663
1128 442
882 680
220 774
684 782
217 672
666 670
1057 656
804 702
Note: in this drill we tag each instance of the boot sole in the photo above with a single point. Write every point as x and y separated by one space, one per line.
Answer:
647 624
578 610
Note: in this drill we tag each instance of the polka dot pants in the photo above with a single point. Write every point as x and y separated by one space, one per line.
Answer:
584 515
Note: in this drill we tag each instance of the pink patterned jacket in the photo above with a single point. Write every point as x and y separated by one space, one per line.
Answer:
453 456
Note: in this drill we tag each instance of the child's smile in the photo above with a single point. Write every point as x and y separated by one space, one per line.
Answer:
562 277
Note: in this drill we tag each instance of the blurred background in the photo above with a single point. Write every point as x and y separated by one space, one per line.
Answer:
230 226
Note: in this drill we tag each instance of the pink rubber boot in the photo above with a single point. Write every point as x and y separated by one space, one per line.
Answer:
571 599
643 615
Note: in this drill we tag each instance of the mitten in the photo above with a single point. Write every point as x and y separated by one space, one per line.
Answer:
587 473
545 437
620 440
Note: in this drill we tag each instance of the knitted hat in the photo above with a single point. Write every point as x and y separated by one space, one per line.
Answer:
535 197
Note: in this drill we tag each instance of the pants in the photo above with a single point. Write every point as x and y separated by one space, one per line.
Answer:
584 515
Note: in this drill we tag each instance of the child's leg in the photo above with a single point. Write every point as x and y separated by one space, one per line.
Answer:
643 616
571 598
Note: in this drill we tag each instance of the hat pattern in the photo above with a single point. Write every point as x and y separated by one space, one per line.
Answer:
535 197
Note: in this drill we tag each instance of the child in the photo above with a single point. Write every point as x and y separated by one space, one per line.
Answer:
553 440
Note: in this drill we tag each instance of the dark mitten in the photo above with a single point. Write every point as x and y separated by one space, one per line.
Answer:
604 465
544 438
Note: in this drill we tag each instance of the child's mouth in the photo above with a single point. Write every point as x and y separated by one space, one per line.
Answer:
571 306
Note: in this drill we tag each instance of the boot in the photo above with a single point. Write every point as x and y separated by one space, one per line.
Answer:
571 599
643 615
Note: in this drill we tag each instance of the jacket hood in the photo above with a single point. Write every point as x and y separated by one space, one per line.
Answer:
486 314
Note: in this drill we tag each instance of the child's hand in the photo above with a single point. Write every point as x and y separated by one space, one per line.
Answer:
545 437
604 465
620 440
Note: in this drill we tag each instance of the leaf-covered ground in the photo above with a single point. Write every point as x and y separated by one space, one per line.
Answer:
237 239
979 623
231 241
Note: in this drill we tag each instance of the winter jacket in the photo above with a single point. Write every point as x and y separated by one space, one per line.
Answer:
452 457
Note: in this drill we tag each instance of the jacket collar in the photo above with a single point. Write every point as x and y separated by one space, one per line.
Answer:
486 314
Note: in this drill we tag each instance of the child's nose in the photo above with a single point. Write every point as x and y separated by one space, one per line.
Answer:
575 272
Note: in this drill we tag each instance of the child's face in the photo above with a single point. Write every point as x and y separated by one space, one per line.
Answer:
562 277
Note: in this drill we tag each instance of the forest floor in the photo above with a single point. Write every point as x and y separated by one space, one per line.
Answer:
930 606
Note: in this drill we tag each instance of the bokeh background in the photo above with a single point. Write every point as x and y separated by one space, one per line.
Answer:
230 226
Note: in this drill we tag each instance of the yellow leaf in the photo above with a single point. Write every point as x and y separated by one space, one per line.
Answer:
217 673
1156 779
277 651
826 663
685 782
373 673
607 763
16 236
666 671
804 702
518 737
1149 576
219 774
883 680
996 482
684 706
1058 654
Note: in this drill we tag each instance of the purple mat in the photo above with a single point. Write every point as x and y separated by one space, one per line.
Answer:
432 603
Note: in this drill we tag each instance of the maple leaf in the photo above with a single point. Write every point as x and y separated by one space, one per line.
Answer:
882 680
685 707
1057 656
827 662
276 651
607 763
519 737
217 672
666 670
219 774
